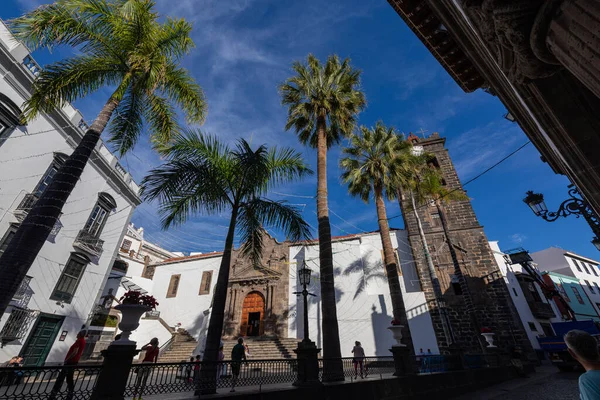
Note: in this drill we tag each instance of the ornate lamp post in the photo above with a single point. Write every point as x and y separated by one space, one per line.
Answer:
304 277
307 351
575 205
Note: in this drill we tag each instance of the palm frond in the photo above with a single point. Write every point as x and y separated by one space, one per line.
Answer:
70 79
162 119
127 122
183 90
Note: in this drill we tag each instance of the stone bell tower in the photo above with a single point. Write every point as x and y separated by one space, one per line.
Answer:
480 299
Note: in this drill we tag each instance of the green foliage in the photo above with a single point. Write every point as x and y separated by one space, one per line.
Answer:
331 91
378 160
120 43
203 176
430 187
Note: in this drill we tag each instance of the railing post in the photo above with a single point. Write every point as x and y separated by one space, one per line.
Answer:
308 364
112 380
402 361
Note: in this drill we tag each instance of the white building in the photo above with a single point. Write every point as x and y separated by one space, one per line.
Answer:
535 310
184 287
65 281
564 262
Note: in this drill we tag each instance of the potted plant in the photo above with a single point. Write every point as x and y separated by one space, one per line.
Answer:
133 305
396 329
488 335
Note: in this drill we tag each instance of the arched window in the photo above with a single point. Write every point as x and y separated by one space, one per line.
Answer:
10 116
57 162
95 223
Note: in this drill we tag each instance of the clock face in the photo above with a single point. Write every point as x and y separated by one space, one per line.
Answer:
417 150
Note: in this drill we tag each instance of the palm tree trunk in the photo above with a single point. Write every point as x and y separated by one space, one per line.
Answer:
333 368
208 374
435 283
458 273
34 230
391 267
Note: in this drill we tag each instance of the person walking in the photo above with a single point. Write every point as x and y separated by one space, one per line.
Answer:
584 348
358 358
238 353
71 360
143 372
188 371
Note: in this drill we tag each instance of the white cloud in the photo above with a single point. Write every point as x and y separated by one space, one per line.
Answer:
518 238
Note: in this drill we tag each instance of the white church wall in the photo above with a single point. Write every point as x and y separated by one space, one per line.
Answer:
188 306
363 303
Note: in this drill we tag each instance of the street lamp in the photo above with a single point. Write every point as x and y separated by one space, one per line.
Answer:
304 276
575 205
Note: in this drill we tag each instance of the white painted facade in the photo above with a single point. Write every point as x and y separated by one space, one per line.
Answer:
564 262
531 324
26 155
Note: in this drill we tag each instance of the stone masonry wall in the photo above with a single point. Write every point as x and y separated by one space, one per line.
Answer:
491 299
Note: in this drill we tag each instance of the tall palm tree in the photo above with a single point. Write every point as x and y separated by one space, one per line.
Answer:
323 102
121 45
418 165
203 176
376 164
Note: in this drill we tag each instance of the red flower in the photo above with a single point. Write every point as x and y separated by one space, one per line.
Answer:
485 329
135 297
395 322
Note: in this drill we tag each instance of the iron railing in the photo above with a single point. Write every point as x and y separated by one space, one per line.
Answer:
17 325
186 378
25 206
89 243
26 383
355 368
429 364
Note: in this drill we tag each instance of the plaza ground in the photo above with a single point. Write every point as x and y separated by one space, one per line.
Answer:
548 383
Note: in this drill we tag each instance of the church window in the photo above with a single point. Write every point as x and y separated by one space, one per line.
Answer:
126 245
173 285
206 282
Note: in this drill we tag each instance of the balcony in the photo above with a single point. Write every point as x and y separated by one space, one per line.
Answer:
25 206
541 310
88 243
17 325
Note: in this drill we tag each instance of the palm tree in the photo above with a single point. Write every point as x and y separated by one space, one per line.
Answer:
376 165
203 176
120 45
323 102
418 164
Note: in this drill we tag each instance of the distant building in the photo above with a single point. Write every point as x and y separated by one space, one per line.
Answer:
574 294
63 286
133 269
535 310
585 271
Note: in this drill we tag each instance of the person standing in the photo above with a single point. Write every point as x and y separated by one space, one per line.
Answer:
188 370
358 358
221 368
71 360
143 372
584 348
238 353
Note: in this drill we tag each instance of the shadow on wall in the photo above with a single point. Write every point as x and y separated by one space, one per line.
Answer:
368 272
380 322
489 313
296 310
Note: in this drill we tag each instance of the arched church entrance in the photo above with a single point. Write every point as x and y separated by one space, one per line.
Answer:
253 313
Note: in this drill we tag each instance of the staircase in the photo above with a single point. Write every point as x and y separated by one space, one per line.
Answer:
182 348
265 348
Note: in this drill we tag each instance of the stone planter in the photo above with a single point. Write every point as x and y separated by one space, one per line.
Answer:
130 320
489 338
397 332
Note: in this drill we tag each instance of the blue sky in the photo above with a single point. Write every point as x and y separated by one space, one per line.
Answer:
244 49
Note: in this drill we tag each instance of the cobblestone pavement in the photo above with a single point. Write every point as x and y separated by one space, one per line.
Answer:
546 384
560 385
